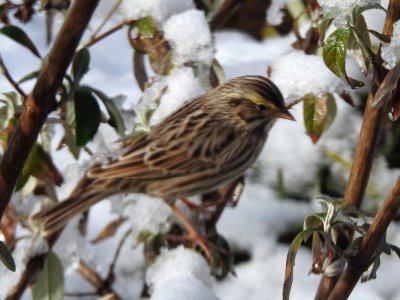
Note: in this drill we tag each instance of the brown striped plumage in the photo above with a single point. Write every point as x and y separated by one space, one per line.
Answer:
208 142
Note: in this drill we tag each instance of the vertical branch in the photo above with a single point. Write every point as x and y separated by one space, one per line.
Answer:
41 101
369 138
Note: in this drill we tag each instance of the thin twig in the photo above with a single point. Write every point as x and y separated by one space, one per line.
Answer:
110 275
8 76
93 41
107 17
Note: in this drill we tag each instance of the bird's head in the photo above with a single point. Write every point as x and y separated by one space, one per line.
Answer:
264 94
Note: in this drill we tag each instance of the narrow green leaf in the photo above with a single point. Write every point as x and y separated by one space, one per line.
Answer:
147 27
29 76
80 64
116 120
395 249
19 36
370 273
290 261
50 281
87 114
334 55
319 113
6 257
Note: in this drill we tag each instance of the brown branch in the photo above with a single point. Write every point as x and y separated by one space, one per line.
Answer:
103 287
369 138
94 40
224 13
8 76
360 263
42 99
36 108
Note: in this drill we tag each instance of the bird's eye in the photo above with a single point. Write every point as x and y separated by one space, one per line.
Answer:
262 107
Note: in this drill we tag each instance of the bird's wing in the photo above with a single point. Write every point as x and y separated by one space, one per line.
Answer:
176 148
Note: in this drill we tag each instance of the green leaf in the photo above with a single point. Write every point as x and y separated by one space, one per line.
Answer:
395 249
88 116
19 36
3 9
80 64
147 27
334 55
116 120
319 113
35 159
29 76
370 273
290 260
50 281
6 257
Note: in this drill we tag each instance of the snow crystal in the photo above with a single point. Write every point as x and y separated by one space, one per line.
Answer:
190 37
297 74
182 85
339 10
391 52
180 274
153 214
160 10
274 12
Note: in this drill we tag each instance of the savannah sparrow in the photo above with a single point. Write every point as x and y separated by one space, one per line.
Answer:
208 142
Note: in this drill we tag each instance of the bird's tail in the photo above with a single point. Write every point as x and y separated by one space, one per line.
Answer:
56 217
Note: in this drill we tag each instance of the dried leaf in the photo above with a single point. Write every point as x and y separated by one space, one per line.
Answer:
8 224
109 230
319 113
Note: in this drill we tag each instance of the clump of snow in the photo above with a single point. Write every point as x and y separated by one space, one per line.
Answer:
297 74
147 214
160 10
180 274
25 249
182 86
274 12
391 52
190 37
339 10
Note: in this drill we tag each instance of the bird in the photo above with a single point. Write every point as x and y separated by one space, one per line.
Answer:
210 141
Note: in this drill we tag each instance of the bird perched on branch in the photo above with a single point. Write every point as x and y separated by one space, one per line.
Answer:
208 142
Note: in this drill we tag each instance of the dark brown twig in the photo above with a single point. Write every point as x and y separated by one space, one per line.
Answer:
224 13
103 287
94 40
8 76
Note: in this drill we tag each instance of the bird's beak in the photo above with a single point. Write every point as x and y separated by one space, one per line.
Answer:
285 114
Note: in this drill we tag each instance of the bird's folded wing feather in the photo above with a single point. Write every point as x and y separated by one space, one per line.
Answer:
168 152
